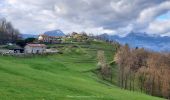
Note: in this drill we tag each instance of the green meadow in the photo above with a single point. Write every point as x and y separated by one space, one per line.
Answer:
66 76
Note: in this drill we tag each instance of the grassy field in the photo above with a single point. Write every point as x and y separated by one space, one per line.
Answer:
64 76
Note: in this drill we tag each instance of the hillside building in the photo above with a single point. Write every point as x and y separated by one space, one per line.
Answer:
35 48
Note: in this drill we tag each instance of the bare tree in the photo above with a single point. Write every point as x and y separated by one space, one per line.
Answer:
121 58
7 32
105 69
151 69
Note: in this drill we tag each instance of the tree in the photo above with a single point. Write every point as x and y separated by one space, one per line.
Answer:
105 69
22 42
150 69
7 32
30 40
121 58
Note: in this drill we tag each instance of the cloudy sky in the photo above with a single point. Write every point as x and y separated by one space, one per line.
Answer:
95 16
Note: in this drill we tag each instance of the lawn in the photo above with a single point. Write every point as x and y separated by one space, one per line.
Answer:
66 76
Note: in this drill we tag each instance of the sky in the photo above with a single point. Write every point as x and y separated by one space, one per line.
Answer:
92 16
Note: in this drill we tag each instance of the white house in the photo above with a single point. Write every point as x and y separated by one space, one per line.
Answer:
35 48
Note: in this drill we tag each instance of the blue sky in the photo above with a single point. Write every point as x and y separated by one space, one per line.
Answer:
165 16
92 16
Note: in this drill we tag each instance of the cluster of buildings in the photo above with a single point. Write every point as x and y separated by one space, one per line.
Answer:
39 47
28 49
43 38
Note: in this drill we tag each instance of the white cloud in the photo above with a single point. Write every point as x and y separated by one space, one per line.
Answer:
93 16
161 27
147 15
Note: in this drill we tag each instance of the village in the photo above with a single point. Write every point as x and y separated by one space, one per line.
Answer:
84 49
40 44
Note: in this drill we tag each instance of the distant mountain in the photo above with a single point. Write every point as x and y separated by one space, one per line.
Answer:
25 36
151 42
49 33
54 33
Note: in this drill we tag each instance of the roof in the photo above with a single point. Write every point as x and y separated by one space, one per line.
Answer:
36 45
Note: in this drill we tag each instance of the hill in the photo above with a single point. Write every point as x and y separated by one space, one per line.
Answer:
54 33
66 76
151 42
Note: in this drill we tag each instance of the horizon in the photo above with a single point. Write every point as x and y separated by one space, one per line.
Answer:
91 16
125 35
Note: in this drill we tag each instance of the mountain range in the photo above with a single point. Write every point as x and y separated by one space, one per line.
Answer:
25 36
49 33
151 42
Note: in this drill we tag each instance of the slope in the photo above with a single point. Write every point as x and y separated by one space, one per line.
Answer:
64 76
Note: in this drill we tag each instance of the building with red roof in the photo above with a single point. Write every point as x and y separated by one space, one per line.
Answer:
35 48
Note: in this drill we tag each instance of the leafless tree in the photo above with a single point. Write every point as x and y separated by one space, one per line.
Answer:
105 69
150 69
7 32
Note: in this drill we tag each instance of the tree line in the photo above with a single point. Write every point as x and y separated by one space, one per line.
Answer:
8 34
143 70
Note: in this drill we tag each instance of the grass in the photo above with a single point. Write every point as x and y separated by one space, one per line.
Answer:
64 76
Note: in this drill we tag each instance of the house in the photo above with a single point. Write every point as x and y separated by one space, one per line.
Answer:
79 37
49 39
35 48
15 49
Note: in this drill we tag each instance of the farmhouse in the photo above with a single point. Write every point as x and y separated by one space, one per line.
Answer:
49 39
35 48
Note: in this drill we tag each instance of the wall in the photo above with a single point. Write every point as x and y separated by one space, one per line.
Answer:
34 50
